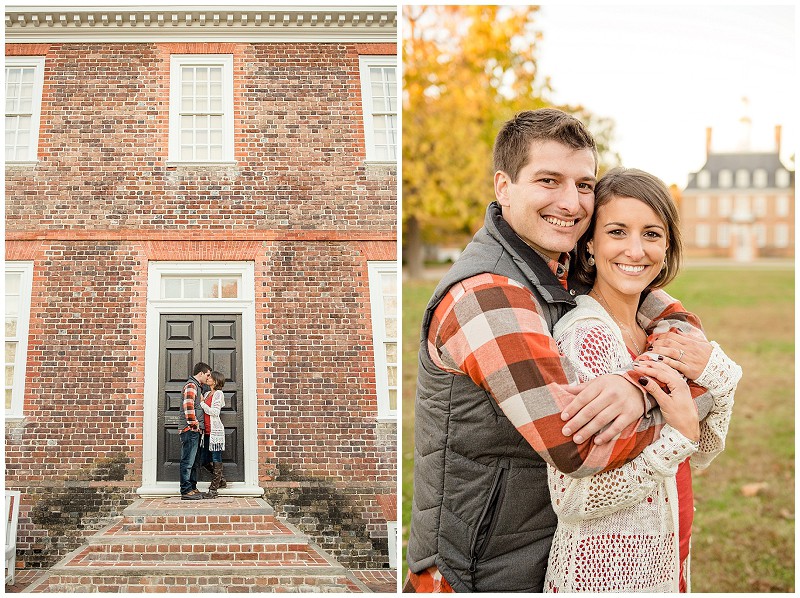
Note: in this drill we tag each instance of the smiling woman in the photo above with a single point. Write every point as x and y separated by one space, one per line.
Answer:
638 517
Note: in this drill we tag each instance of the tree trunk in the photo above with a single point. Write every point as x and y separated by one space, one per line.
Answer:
412 249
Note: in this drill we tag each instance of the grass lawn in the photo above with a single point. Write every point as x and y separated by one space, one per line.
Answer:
743 533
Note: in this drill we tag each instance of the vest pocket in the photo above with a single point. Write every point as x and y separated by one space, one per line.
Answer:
487 520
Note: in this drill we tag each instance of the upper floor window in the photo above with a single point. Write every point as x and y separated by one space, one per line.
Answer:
383 300
702 236
760 206
379 102
703 179
781 178
702 206
742 178
201 108
725 204
24 79
782 206
18 303
723 235
725 179
760 178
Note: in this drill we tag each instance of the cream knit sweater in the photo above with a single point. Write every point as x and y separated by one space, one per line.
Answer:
617 530
216 441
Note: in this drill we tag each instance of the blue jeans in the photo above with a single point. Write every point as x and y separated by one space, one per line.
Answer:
190 443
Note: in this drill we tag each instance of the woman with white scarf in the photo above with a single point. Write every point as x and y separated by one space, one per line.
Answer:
212 404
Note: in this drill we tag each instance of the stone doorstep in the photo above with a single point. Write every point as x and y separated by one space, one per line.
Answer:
221 506
84 569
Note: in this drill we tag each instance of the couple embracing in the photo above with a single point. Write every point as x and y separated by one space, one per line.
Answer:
563 397
202 433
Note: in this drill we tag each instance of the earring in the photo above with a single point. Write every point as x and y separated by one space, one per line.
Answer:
590 260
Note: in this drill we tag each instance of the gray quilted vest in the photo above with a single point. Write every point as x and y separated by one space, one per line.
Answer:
481 511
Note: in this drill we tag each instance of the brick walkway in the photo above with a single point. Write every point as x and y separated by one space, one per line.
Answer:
154 547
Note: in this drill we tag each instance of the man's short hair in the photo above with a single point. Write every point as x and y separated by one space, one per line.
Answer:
513 143
201 367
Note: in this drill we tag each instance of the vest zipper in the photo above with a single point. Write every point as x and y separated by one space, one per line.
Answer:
485 522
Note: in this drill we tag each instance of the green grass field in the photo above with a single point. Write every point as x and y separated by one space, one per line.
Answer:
743 533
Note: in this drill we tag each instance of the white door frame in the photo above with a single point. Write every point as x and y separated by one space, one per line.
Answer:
156 306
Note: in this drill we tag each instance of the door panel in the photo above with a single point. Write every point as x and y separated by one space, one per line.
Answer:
186 339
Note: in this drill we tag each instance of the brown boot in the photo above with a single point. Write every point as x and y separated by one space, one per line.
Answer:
210 469
212 489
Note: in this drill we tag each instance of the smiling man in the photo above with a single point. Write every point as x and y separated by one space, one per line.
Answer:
492 394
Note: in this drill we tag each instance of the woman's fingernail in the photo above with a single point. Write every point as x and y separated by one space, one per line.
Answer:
643 381
661 358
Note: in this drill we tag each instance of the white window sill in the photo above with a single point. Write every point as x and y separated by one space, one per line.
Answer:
172 163
22 163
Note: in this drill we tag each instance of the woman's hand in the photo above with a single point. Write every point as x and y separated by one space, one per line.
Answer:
686 354
676 402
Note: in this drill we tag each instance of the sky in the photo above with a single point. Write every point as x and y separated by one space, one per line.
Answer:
665 73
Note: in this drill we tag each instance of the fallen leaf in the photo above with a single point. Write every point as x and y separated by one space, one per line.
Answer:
753 489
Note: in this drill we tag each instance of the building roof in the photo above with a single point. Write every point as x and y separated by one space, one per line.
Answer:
46 24
733 161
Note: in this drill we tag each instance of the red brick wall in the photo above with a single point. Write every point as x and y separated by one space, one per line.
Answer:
102 202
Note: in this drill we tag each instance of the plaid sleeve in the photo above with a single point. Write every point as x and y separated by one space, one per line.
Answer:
489 328
660 313
189 396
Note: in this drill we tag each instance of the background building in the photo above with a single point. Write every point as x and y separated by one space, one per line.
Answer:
202 184
740 204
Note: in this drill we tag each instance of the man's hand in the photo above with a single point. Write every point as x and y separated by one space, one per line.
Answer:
608 399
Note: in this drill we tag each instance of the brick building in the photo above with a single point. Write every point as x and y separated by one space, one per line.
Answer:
740 204
202 184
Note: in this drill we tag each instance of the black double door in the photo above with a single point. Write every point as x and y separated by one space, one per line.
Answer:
186 339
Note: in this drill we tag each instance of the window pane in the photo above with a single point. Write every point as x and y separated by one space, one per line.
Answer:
391 327
172 288
393 399
389 284
8 398
11 327
391 372
13 282
230 288
12 305
9 375
191 288
211 288
11 352
391 352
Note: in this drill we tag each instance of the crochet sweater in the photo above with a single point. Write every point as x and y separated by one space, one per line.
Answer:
618 530
212 407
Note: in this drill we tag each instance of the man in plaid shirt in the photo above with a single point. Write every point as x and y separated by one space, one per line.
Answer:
493 401
192 431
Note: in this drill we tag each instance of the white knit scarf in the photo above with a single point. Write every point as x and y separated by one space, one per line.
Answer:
216 441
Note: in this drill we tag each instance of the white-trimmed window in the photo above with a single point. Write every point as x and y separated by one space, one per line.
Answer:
18 307
781 178
201 108
379 103
725 179
742 205
781 235
760 206
200 287
703 206
782 206
723 235
760 178
383 300
725 206
24 80
703 179
701 235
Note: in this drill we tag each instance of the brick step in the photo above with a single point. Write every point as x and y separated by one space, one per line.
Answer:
172 551
279 580
230 544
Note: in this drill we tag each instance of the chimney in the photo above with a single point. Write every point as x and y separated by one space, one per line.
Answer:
777 139
708 142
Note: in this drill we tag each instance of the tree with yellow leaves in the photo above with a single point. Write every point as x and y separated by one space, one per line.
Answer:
466 70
